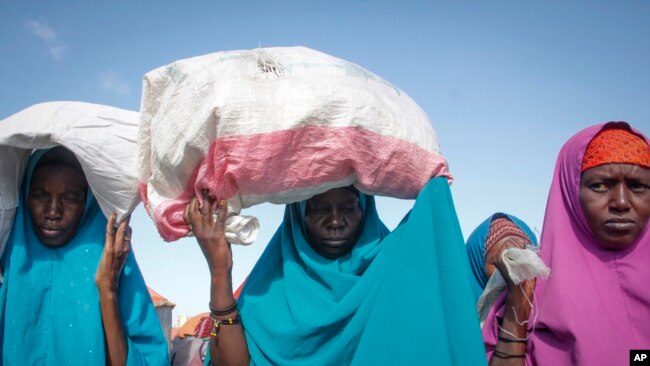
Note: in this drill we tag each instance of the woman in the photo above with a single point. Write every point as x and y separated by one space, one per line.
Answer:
51 312
595 306
334 287
497 232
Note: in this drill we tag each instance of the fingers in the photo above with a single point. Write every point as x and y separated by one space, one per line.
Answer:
507 242
206 220
122 238
515 242
210 209
110 231
186 213
192 215
125 247
123 231
206 206
116 249
221 211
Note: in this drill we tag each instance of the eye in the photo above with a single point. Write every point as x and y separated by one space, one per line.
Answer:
599 187
316 207
72 198
38 196
349 208
638 187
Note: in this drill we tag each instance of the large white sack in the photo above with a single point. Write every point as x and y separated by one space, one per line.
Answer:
276 125
101 137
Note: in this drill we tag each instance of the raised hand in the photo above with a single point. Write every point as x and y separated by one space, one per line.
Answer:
518 301
107 278
503 244
116 249
207 222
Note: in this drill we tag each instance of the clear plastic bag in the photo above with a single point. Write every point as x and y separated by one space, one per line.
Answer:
521 264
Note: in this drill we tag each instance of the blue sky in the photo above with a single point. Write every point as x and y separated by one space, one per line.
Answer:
504 83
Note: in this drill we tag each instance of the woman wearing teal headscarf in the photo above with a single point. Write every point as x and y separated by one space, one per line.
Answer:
72 295
482 247
334 287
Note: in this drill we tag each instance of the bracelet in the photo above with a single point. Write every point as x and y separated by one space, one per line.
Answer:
508 340
216 324
216 312
514 337
505 356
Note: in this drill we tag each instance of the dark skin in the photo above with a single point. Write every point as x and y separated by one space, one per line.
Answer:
333 221
495 252
207 222
107 279
615 199
56 203
517 306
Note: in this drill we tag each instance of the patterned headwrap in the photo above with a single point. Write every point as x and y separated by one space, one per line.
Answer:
499 229
616 145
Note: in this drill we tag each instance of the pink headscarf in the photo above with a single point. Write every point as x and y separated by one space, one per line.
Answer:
595 306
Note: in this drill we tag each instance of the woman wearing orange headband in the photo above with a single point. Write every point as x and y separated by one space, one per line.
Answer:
595 306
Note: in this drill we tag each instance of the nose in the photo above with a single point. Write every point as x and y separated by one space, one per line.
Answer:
335 220
53 209
620 199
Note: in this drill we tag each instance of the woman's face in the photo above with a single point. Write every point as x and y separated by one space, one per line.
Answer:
56 202
490 261
333 221
616 201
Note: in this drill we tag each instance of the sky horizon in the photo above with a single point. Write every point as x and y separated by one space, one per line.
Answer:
504 84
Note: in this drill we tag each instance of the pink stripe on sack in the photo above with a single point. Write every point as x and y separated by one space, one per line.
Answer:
282 161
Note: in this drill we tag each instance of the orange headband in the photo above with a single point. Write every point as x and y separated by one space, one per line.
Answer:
616 145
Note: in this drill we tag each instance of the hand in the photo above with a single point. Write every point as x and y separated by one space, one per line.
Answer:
512 241
116 249
207 222
519 295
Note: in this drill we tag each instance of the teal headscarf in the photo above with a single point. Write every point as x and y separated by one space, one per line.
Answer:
476 248
397 298
49 304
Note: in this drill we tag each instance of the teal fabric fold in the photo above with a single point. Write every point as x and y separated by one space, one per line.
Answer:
49 304
398 298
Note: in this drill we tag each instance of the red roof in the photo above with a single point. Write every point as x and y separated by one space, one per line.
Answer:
158 299
190 326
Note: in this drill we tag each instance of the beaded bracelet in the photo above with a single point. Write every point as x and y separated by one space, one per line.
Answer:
217 323
222 312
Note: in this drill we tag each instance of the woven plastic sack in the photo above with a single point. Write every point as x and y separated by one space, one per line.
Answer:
101 137
276 125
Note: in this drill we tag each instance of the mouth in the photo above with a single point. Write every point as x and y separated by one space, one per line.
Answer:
619 225
335 242
50 231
